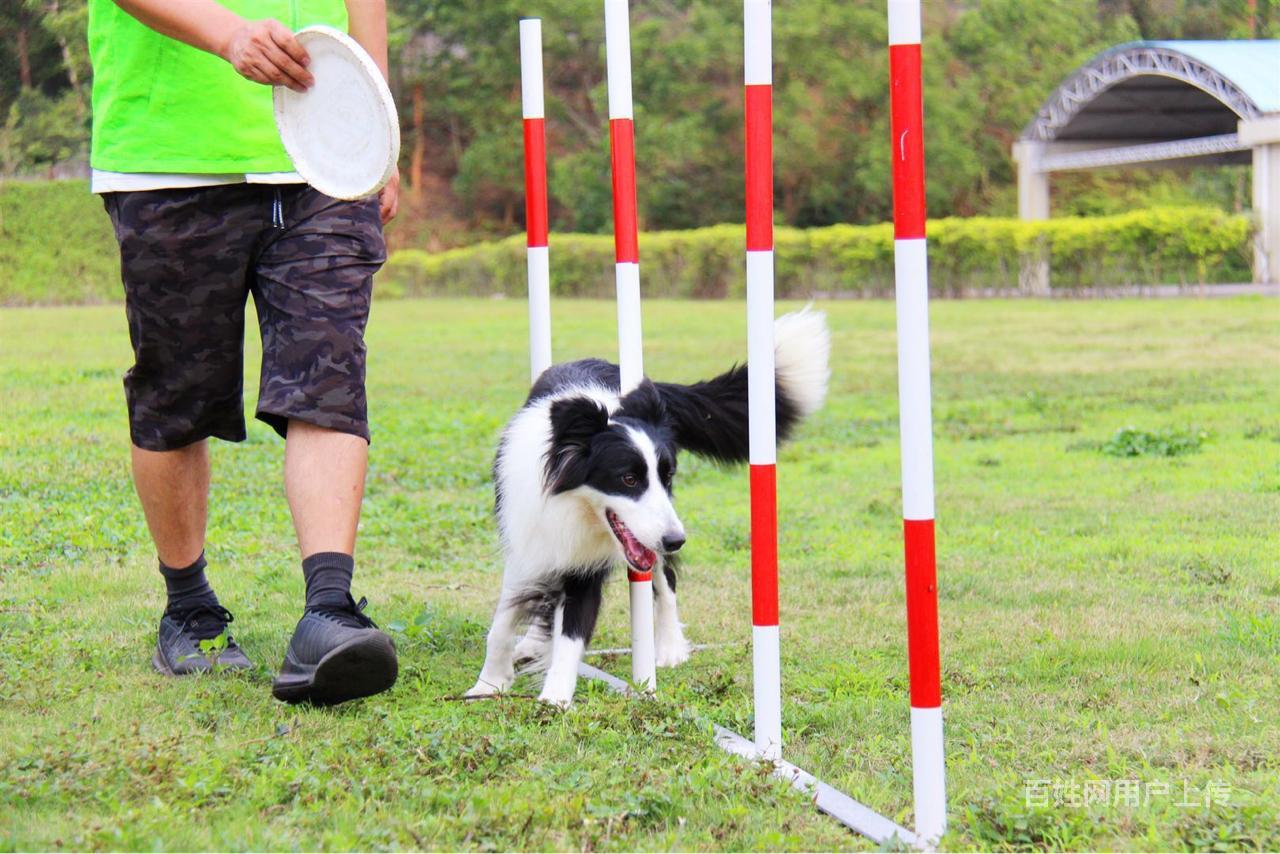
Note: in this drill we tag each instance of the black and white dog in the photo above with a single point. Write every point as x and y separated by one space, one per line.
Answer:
583 480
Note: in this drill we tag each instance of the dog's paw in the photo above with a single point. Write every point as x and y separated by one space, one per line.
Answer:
556 698
671 649
531 649
484 689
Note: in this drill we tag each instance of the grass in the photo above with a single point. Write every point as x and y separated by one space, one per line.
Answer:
1106 621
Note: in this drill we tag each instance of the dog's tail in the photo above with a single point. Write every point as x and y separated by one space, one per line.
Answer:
710 418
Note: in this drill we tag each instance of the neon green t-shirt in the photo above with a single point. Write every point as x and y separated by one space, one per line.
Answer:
162 106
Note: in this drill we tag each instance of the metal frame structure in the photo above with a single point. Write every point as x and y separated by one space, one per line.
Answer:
1123 63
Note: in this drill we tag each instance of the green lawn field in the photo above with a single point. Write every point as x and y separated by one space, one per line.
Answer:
1110 605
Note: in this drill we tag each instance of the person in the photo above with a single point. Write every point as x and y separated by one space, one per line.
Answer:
207 211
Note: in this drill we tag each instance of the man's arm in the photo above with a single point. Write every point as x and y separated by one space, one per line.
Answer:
367 24
262 51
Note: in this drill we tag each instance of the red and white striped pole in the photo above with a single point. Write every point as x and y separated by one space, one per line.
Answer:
535 196
765 653
626 241
915 417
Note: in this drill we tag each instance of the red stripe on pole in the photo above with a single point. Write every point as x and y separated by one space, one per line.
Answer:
922 614
908 140
535 181
764 545
625 228
636 575
759 111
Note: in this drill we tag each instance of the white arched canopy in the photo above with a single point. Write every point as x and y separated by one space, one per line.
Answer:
1164 102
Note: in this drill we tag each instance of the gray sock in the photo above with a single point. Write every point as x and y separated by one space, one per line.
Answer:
187 587
328 576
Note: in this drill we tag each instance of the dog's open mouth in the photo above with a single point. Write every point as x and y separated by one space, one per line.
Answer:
638 556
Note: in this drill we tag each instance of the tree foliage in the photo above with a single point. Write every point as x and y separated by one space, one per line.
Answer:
455 66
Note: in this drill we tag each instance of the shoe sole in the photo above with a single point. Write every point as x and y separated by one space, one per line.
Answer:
158 664
361 667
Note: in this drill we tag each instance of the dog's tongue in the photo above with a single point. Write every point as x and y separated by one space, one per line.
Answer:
638 556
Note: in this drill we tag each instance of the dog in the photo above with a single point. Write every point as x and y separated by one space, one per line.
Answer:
583 483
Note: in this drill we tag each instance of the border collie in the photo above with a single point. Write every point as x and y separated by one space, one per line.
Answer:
583 482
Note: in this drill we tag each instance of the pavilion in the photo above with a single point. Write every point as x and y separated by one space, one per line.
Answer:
1163 102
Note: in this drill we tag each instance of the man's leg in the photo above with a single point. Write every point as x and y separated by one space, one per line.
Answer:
312 289
183 257
173 487
336 653
324 481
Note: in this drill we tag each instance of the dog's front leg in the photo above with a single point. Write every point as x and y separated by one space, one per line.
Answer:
499 671
670 646
571 630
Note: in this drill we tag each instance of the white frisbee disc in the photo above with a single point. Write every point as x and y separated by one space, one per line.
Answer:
342 134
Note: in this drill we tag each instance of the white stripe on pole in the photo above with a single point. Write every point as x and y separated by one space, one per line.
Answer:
758 40
767 682
915 417
760 359
644 666
930 774
531 68
539 310
904 21
617 40
630 342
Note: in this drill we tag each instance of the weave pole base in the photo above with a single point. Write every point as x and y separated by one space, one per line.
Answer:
828 799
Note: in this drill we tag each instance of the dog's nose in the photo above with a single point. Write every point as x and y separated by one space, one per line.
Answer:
670 545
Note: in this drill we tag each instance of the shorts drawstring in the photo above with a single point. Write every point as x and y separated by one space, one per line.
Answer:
277 210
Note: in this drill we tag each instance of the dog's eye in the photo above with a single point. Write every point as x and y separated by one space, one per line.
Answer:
629 480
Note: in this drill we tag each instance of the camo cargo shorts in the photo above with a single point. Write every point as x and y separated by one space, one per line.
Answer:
190 258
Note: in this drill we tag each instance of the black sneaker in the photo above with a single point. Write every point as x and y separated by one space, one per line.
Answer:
336 654
178 650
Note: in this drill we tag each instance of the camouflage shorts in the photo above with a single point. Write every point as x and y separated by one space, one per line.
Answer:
190 258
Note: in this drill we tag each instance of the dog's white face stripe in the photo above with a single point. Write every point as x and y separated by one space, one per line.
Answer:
652 517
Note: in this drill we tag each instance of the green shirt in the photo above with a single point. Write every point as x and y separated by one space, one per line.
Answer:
162 106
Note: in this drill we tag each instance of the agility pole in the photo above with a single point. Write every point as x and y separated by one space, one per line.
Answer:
626 243
763 454
535 196
915 417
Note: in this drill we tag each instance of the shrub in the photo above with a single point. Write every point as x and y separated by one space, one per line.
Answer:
1156 246
56 246
1132 442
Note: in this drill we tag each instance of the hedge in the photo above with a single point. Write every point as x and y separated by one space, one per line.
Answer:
56 246
1155 246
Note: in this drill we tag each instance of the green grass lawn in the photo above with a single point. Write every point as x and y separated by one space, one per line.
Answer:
1107 621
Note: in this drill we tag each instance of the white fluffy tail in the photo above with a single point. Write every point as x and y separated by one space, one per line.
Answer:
802 350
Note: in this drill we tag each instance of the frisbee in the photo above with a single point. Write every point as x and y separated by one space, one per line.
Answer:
342 134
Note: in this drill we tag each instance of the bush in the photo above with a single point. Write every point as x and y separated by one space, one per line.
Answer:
1156 246
1132 442
56 245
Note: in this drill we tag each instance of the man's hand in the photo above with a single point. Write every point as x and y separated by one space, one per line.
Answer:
389 198
267 52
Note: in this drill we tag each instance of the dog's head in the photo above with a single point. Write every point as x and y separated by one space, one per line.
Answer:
621 465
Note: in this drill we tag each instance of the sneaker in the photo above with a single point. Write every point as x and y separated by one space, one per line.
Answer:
178 650
336 654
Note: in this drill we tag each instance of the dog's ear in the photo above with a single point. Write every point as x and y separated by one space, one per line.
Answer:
574 421
644 403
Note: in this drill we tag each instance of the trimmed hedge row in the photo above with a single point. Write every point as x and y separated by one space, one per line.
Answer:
56 246
1155 246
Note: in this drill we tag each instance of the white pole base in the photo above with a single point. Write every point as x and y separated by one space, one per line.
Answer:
766 671
928 771
644 667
